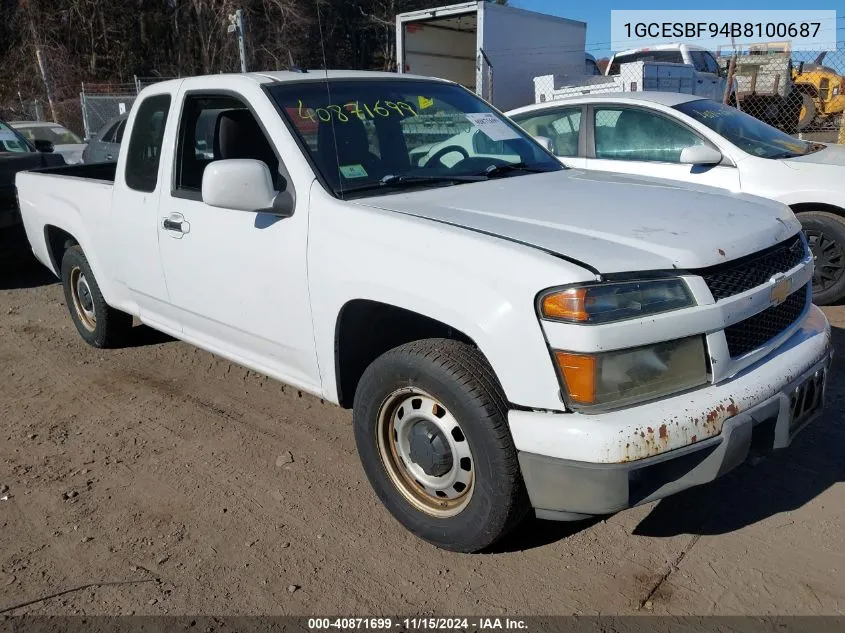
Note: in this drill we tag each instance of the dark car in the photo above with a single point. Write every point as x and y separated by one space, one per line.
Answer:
18 154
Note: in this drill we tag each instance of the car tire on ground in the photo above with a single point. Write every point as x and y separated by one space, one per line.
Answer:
98 324
432 433
826 234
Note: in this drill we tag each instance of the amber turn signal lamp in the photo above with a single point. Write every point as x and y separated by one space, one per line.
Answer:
567 305
579 374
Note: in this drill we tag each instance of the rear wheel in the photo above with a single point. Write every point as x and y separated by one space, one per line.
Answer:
98 324
826 236
431 430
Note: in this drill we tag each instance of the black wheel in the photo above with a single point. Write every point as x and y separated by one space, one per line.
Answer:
808 111
98 323
826 234
431 428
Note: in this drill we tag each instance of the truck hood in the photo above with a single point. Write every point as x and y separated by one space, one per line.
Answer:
609 222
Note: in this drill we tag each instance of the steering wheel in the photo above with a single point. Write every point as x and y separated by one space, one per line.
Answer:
439 154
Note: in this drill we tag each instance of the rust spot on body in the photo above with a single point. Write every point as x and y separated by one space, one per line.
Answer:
721 252
694 438
650 430
663 433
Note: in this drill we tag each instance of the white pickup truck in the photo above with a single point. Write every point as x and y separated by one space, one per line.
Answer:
665 68
508 332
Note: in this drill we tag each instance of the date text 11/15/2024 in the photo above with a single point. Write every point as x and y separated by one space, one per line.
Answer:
417 624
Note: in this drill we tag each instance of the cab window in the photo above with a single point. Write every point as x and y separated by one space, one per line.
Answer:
218 127
673 56
144 153
562 126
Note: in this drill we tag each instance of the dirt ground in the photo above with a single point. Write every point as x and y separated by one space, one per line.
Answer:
165 480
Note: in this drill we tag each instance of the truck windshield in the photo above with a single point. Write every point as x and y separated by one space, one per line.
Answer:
372 136
747 133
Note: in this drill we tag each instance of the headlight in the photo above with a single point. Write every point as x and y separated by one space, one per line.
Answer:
601 303
624 377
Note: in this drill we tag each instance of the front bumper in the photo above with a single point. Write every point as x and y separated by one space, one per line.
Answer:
715 437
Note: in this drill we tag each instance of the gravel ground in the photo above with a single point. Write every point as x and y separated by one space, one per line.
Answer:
161 479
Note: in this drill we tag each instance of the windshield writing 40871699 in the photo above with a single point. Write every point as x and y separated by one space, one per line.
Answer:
362 110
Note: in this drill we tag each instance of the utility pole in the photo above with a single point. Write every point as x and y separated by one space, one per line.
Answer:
236 25
42 67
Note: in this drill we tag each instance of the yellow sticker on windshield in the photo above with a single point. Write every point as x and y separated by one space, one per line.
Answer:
425 102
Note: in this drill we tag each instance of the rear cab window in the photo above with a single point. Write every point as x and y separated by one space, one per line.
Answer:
672 56
145 143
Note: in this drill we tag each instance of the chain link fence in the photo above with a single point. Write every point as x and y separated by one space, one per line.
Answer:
799 92
103 103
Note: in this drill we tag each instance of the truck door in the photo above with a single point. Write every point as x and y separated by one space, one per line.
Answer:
237 279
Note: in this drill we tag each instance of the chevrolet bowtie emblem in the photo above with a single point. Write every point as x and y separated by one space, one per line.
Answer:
781 290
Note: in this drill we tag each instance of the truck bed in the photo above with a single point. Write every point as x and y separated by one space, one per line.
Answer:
91 171
76 198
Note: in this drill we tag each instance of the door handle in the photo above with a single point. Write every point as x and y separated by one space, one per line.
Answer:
177 224
172 225
109 157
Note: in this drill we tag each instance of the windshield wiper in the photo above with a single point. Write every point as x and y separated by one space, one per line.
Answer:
499 170
399 181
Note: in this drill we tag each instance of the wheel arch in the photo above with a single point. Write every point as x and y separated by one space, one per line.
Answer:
801 207
365 329
58 240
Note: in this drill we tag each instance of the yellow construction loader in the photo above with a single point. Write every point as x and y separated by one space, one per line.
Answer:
821 90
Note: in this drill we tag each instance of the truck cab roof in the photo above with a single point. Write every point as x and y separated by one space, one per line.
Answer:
663 47
283 76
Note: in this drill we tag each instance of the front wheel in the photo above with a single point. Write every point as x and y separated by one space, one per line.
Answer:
431 430
826 237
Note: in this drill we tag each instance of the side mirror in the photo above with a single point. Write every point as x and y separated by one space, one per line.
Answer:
244 185
43 146
700 155
546 142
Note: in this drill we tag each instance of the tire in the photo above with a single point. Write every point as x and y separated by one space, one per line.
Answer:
488 498
808 111
97 323
826 234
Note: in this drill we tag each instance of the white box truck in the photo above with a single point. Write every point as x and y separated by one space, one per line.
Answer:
493 50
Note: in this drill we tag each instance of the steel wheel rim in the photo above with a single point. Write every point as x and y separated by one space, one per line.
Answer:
828 259
83 300
405 417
